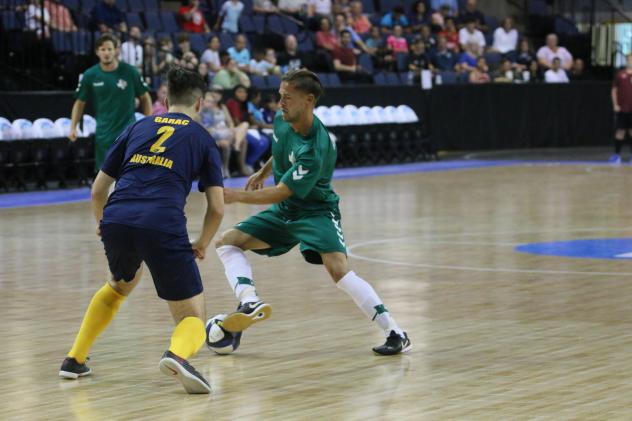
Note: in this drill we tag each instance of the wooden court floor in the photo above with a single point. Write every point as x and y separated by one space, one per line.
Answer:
497 334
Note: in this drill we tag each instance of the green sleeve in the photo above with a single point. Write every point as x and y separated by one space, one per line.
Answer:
82 92
304 174
140 87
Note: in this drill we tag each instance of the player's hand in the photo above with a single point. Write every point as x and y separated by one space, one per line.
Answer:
231 196
617 108
199 249
255 181
73 134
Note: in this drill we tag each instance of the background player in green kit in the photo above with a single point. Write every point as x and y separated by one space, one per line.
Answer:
111 86
304 211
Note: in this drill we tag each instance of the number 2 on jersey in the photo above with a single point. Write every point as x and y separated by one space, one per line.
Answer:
165 133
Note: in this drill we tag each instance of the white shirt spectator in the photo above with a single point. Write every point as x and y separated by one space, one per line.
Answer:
231 13
321 7
293 6
465 37
210 57
562 53
33 13
132 53
552 76
505 42
260 67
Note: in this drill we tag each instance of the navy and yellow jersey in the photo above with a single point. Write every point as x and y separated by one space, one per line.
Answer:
154 162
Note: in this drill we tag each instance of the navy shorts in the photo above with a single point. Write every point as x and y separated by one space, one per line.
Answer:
169 257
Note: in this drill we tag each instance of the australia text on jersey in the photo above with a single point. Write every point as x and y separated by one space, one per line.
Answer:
155 159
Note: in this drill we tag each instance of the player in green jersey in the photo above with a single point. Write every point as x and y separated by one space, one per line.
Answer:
304 211
111 86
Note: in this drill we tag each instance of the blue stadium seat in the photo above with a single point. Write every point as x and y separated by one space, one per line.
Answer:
275 24
333 79
273 81
226 40
122 5
169 22
290 26
366 62
449 78
62 42
136 6
247 6
87 5
565 26
10 21
153 21
259 22
379 79
537 7
246 24
151 5
387 5
258 81
198 43
133 19
402 61
306 45
392 78
367 6
493 59
492 22
81 43
71 4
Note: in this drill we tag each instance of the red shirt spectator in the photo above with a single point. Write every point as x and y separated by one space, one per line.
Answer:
623 84
60 18
325 38
192 18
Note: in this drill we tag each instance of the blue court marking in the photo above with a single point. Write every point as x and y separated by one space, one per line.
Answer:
596 248
54 197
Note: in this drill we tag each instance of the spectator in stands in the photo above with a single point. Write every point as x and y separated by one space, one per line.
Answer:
131 50
264 63
185 56
578 71
438 18
469 34
428 38
396 41
165 54
228 16
468 60
381 55
270 108
341 6
444 59
453 5
548 52
325 38
204 73
60 17
108 17
215 117
238 109
471 13
451 34
211 54
35 20
291 58
526 60
296 8
150 61
159 106
192 18
418 60
341 24
505 38
556 74
229 75
345 62
480 73
392 18
358 20
318 8
264 7
621 96
240 53
418 16
505 72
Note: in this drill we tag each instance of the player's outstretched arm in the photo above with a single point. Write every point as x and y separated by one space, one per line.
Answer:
99 194
267 196
212 220
145 103
77 112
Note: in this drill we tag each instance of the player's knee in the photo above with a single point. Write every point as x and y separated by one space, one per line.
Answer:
228 238
337 271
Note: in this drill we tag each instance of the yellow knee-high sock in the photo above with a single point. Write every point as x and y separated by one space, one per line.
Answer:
102 309
188 337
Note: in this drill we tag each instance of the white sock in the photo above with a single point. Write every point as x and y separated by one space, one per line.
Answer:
238 272
368 301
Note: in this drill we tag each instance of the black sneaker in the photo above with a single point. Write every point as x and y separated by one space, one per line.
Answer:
394 344
246 315
71 369
193 382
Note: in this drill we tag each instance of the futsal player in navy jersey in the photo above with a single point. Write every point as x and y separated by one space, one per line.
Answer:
154 163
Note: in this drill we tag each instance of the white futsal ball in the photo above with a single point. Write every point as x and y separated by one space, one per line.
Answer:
218 339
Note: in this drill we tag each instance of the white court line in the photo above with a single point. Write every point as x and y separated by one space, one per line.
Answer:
484 269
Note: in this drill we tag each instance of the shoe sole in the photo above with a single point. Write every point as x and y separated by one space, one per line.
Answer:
405 349
238 322
192 384
73 376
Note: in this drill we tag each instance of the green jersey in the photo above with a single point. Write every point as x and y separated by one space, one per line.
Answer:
305 164
112 94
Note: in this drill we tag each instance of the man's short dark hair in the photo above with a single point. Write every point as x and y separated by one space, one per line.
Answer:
183 37
304 81
105 38
184 86
345 31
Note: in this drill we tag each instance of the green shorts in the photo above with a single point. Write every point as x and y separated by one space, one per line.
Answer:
316 233
101 149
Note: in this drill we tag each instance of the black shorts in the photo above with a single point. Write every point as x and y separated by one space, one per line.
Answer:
169 257
623 121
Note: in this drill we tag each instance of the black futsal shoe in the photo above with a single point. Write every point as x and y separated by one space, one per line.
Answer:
193 382
246 315
71 369
395 344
